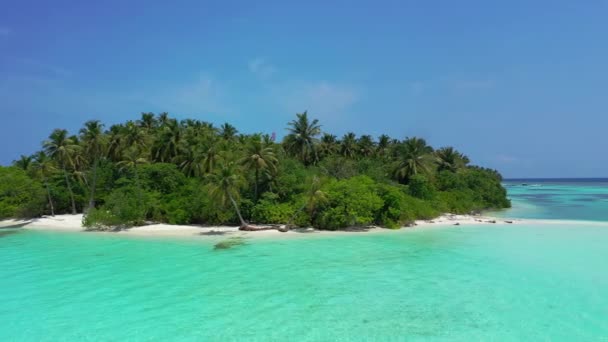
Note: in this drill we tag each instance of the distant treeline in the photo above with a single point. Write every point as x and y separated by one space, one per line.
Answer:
164 170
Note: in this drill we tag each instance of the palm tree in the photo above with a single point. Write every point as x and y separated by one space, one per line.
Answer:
115 142
366 145
227 131
314 197
450 159
92 137
189 161
413 158
302 138
258 157
384 143
61 149
163 118
147 121
348 145
167 144
210 158
328 145
23 162
43 166
134 136
131 158
225 185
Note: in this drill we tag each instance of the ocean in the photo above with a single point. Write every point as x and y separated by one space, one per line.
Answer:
478 282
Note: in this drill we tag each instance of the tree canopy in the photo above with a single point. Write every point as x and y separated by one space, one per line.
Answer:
159 168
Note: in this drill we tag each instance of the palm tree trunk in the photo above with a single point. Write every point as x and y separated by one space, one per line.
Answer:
48 193
67 181
93 186
238 212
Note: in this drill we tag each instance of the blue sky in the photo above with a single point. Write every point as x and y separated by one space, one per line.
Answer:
520 86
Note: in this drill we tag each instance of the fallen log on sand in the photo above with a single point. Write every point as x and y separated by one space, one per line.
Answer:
252 228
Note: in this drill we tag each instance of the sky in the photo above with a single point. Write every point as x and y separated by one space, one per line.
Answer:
519 86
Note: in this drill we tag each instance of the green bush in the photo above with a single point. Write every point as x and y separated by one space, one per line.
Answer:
20 196
420 187
391 213
269 210
161 177
352 202
124 207
459 202
447 180
101 219
339 167
486 186
290 179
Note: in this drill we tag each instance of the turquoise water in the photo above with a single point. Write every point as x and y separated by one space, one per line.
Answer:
582 199
496 282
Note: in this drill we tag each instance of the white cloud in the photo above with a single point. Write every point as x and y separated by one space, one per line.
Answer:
261 68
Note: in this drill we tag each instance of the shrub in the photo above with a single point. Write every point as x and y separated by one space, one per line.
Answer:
20 196
269 210
352 202
420 187
124 207
485 184
161 177
101 219
339 167
390 215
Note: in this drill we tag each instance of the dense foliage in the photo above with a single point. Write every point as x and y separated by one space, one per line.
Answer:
164 170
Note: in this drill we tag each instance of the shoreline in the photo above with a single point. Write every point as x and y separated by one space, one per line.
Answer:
73 223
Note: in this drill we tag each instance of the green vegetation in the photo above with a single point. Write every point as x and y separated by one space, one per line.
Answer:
180 172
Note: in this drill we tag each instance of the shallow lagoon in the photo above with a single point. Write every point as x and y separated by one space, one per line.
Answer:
500 282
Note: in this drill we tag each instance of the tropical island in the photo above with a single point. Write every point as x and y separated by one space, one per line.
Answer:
163 170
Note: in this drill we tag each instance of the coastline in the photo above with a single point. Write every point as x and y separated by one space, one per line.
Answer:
73 223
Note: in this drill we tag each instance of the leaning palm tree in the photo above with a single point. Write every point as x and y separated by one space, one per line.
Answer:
93 139
414 157
62 149
302 138
225 185
43 166
259 157
449 159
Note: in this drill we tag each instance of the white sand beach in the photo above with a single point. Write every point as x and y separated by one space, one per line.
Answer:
73 223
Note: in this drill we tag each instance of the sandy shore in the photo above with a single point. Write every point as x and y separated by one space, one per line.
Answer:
73 223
